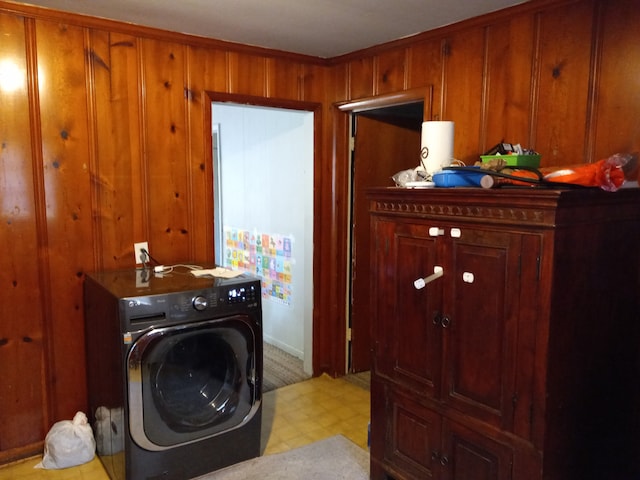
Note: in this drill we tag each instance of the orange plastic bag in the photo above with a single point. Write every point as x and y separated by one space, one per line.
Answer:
609 174
606 174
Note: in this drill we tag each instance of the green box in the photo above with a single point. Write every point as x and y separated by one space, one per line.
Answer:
515 160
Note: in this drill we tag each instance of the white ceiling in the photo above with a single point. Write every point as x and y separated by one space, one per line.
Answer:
321 28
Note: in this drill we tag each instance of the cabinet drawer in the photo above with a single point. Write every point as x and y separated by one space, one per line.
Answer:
422 444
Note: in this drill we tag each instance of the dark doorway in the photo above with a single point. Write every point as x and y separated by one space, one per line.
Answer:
386 141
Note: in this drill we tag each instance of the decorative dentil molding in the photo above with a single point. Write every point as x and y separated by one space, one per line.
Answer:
471 211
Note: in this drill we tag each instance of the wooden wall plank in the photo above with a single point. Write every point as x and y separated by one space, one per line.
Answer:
165 166
425 69
391 71
463 96
212 67
339 77
284 79
563 69
247 74
361 80
22 403
618 80
314 86
201 69
66 153
208 71
508 83
120 213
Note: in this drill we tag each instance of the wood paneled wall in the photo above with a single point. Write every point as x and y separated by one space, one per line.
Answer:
558 76
105 141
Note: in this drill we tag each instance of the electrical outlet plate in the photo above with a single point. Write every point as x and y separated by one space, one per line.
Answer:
137 251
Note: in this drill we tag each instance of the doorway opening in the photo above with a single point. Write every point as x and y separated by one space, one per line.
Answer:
385 139
263 213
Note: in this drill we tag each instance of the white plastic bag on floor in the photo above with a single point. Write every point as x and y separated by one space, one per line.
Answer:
68 443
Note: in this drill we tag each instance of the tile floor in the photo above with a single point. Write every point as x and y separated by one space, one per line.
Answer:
293 416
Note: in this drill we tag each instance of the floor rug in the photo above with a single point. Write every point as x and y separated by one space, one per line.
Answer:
333 458
280 368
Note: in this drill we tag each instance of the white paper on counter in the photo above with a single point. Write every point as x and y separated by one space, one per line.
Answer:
219 272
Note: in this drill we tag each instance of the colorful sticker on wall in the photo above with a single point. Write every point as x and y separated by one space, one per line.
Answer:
265 255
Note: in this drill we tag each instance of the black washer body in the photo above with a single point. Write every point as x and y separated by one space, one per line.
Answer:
174 366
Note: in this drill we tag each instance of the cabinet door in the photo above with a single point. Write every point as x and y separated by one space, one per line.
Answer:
480 319
412 438
420 443
407 343
466 454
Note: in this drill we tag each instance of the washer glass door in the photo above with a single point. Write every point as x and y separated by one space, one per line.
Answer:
192 381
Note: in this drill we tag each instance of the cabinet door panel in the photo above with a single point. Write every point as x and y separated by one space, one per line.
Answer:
481 296
471 455
382 298
413 437
409 342
417 354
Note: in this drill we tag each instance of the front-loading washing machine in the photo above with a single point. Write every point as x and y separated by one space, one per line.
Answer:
174 366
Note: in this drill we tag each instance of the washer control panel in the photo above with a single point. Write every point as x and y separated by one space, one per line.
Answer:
242 294
192 305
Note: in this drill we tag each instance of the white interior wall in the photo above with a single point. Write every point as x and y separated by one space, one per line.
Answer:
266 162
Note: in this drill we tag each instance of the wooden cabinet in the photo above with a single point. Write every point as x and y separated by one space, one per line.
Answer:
418 442
504 367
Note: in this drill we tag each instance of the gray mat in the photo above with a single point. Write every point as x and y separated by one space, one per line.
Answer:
280 369
330 459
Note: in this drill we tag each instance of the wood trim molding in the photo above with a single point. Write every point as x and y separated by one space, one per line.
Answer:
324 358
381 101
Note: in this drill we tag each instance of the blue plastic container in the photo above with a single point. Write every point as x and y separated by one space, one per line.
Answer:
458 178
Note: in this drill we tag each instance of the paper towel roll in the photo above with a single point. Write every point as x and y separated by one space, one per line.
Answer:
436 149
